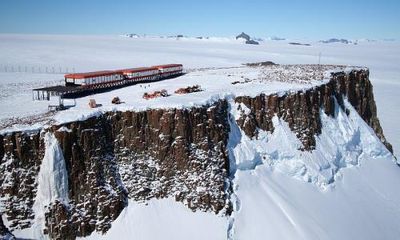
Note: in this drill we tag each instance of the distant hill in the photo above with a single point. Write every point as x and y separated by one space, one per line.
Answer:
247 38
336 40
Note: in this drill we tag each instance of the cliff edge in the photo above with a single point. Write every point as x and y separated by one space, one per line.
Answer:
94 165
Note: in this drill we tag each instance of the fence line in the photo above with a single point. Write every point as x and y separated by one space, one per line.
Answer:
36 69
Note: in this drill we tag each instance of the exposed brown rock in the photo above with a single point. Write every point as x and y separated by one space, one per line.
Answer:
155 153
96 193
179 144
155 94
301 109
21 155
359 91
189 89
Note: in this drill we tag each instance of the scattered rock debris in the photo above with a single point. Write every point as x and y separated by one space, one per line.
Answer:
189 89
156 94
116 100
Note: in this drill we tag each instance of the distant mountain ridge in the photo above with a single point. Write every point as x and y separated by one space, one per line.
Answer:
247 38
336 40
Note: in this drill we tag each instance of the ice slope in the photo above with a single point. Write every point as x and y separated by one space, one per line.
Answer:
363 205
344 142
352 191
164 219
53 177
52 185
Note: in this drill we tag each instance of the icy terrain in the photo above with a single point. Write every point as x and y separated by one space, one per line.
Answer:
361 203
87 53
344 142
52 182
347 188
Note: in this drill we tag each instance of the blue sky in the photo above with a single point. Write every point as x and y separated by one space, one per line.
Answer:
260 18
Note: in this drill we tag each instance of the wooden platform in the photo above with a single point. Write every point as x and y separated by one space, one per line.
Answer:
45 92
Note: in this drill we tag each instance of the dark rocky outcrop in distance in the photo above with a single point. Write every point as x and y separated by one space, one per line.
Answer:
132 35
336 40
244 36
254 42
247 38
261 64
300 44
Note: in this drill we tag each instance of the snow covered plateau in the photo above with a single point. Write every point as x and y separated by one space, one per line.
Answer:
294 150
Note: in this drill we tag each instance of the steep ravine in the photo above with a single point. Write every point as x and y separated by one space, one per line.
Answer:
180 153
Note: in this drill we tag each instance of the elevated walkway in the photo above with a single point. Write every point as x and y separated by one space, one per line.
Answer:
46 92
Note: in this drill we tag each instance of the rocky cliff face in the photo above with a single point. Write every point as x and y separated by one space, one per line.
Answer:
179 153
301 110
140 155
20 158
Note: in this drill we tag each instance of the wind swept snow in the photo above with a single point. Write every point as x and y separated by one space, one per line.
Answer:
363 205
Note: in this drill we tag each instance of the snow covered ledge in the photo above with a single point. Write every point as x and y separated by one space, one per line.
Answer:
216 84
